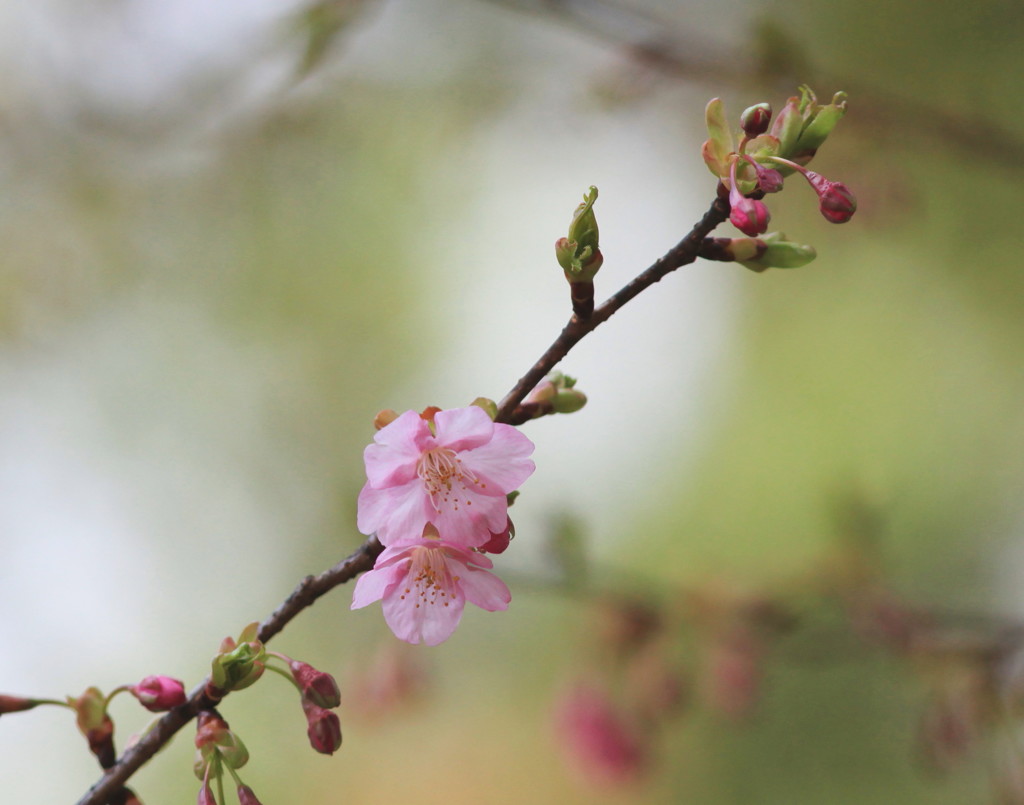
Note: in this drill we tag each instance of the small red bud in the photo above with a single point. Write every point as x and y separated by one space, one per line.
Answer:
750 216
206 795
159 693
246 796
755 119
324 729
838 204
317 687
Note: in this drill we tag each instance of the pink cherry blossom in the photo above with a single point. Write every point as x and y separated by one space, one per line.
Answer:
424 585
455 478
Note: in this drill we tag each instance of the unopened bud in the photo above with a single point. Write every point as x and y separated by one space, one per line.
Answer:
568 401
317 687
579 253
215 739
755 119
819 121
246 796
94 723
780 253
206 796
238 665
750 216
838 203
323 729
159 693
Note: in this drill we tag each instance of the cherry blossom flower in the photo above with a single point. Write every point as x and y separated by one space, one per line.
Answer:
424 585
455 477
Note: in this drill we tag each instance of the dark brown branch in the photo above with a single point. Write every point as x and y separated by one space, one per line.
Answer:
684 252
304 595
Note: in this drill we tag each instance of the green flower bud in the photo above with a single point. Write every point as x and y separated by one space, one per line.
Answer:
787 126
755 119
780 253
239 664
579 254
568 401
216 743
818 125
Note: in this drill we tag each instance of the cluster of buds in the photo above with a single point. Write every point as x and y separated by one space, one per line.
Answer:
238 663
579 255
218 749
757 161
320 695
555 394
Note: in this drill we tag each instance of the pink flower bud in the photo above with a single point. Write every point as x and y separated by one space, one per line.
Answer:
246 796
748 215
838 204
206 796
769 180
324 729
755 119
317 687
159 693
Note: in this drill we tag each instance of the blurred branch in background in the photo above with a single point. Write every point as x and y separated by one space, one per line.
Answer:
772 60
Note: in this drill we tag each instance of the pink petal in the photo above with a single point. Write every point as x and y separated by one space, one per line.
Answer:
503 463
463 428
392 458
396 513
377 583
415 622
485 590
471 526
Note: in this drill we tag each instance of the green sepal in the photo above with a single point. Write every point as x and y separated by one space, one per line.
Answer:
489 406
239 663
720 145
820 125
780 253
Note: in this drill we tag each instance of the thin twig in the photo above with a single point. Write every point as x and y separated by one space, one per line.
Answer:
303 596
682 253
313 587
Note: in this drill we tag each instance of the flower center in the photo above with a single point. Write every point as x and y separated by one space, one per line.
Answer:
444 478
429 580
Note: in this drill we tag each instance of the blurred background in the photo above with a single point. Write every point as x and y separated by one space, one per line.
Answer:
232 232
